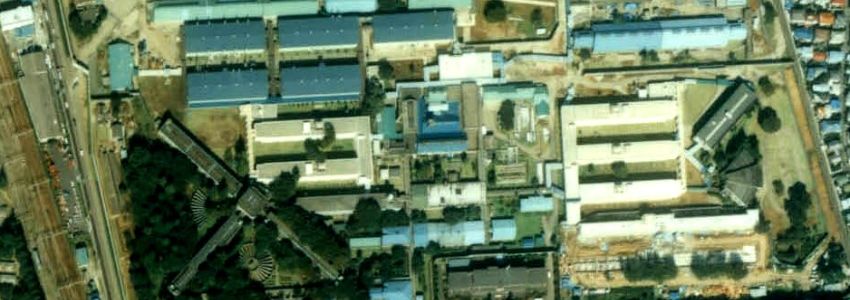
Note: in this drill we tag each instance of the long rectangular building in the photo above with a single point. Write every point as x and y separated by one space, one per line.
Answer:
726 110
629 152
320 83
224 36
414 27
684 221
673 34
222 88
631 191
317 33
202 10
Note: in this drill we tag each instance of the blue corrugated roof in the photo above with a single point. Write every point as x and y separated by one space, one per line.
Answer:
503 230
393 290
320 83
804 34
388 124
227 88
432 4
224 35
536 204
392 236
121 68
440 130
414 26
318 31
350 6
441 147
702 32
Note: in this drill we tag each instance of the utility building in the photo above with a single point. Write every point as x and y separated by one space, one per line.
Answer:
227 36
417 27
226 88
318 33
674 34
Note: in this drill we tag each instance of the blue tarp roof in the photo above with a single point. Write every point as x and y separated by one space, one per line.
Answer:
350 6
224 35
318 31
536 204
320 83
121 68
701 32
414 26
503 230
393 290
227 87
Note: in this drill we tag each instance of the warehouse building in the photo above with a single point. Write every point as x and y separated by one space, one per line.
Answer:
535 204
121 66
393 290
350 6
702 221
312 33
226 36
504 230
498 283
415 27
448 194
449 235
673 34
723 114
630 152
19 21
227 87
222 9
322 83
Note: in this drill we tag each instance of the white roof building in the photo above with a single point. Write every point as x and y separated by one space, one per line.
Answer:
630 152
456 194
652 224
622 113
631 191
16 18
466 66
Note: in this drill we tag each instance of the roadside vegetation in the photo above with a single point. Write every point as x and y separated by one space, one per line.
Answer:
13 247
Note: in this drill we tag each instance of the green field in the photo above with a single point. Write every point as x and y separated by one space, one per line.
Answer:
528 224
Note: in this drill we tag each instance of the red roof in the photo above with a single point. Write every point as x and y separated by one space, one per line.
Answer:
839 3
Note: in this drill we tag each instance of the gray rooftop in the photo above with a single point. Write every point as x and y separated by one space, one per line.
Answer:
725 112
320 83
224 35
227 87
318 31
415 26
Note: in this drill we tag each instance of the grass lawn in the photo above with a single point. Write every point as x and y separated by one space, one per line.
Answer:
218 128
528 224
696 99
635 129
633 168
503 206
263 149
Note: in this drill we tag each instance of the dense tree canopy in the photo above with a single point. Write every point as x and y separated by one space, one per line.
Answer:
506 114
13 246
649 267
620 170
768 120
495 11
313 231
159 179
457 214
366 218
830 266
715 264
798 239
283 187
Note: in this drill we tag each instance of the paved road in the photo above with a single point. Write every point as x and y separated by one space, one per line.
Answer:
110 279
830 210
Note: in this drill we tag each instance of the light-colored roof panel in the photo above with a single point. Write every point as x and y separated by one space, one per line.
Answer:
229 10
350 6
121 66
630 191
623 113
651 224
630 152
466 66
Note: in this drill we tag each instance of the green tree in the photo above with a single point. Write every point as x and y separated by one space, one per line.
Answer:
366 218
584 53
329 137
536 17
13 246
3 180
373 99
283 187
313 150
778 187
83 27
649 267
506 115
495 11
385 69
391 218
768 120
715 264
766 85
620 170
831 264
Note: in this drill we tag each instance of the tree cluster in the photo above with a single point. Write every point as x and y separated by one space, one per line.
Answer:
649 267
649 56
221 277
3 180
384 266
373 99
736 145
316 149
287 258
457 214
797 240
766 86
368 219
83 28
158 179
831 265
715 264
237 156
282 188
495 11
312 231
768 120
620 170
13 246
506 115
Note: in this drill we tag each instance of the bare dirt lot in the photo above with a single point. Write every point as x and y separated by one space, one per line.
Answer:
517 26
217 128
164 94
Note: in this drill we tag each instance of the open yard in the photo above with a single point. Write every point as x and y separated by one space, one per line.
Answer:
633 129
694 101
218 128
528 224
164 94
519 23
643 170
290 148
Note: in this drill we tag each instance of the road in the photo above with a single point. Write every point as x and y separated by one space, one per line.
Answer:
825 186
110 278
